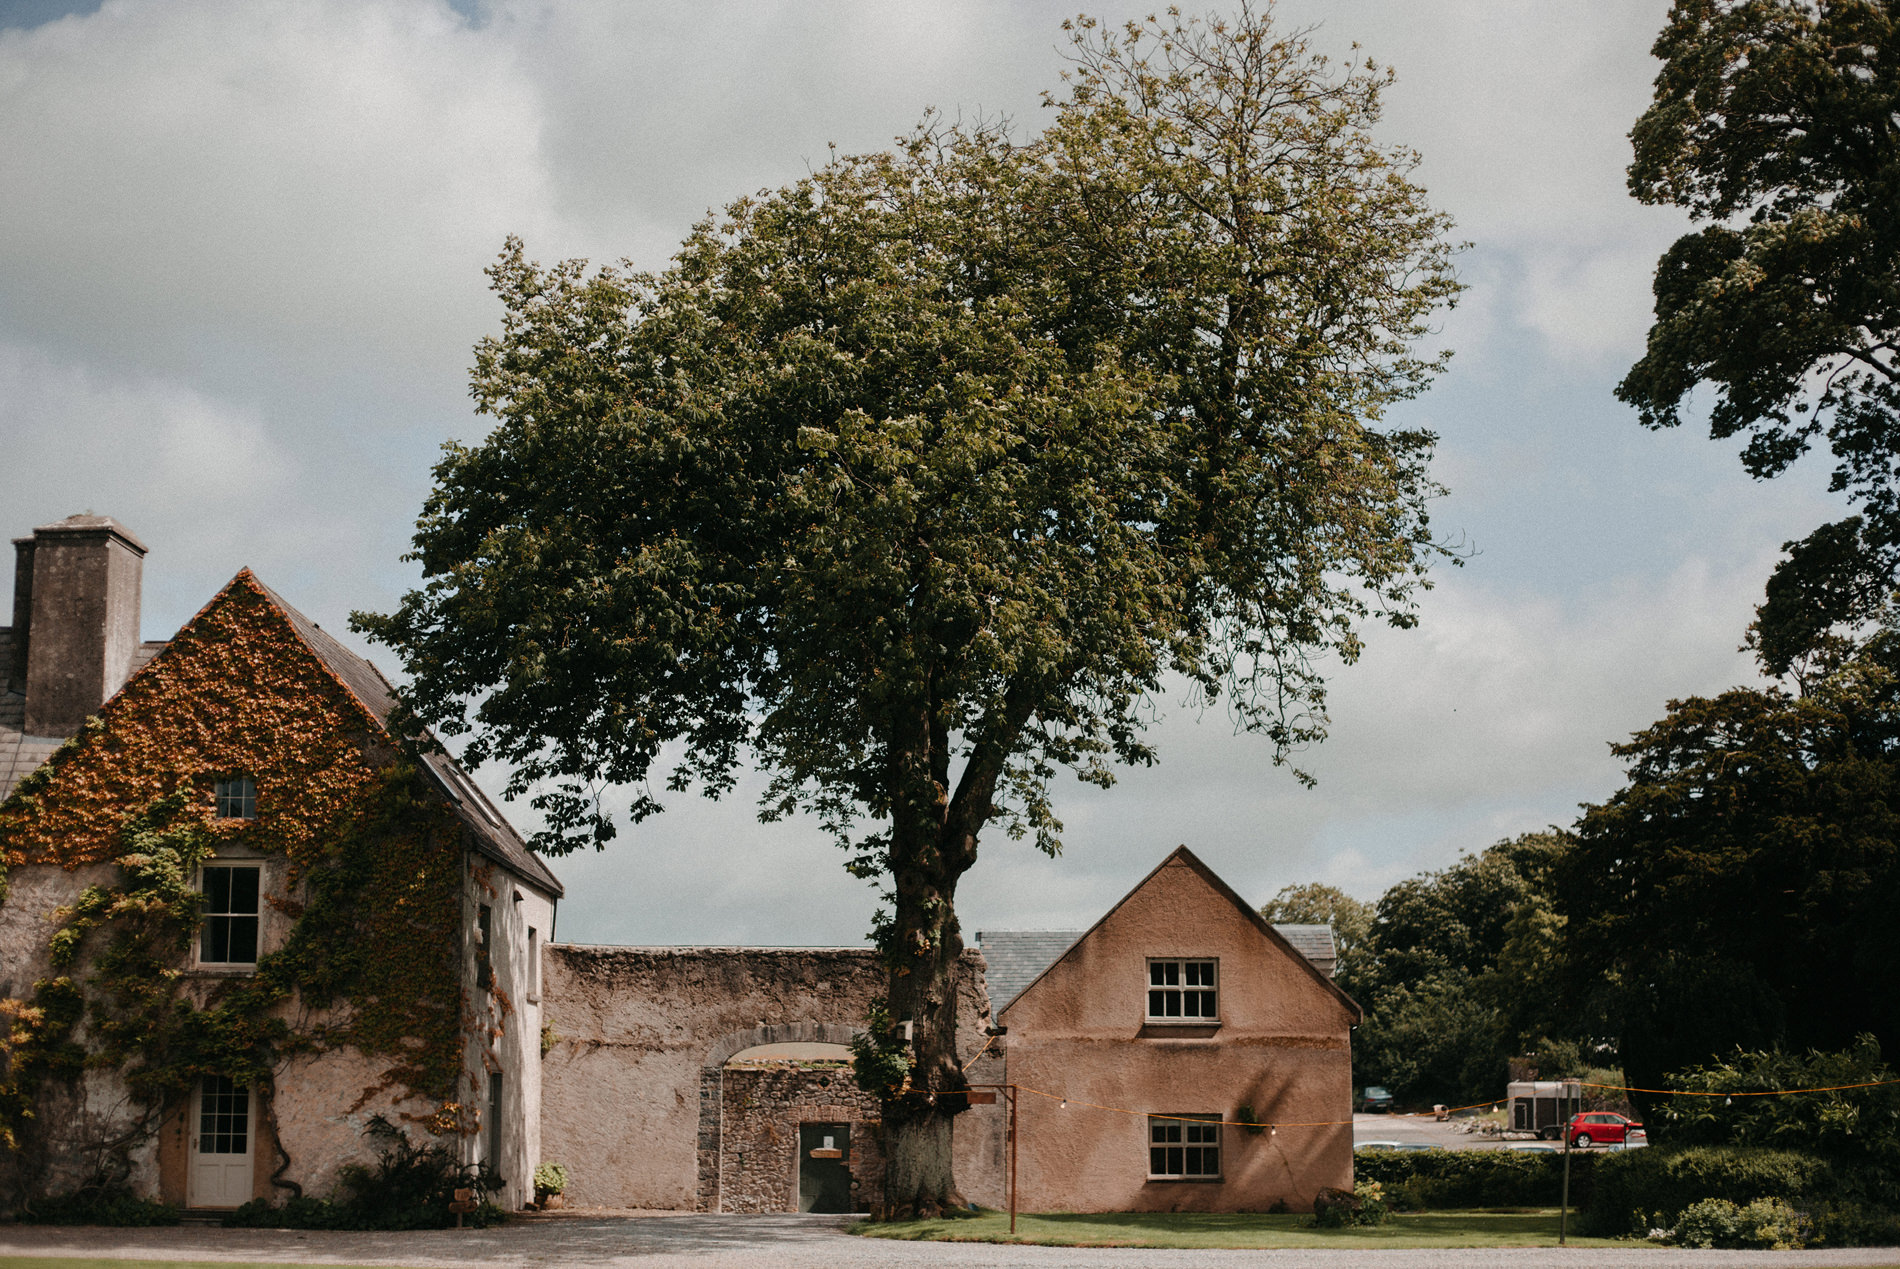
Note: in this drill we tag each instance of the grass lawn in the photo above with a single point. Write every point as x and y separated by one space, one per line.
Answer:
1523 1227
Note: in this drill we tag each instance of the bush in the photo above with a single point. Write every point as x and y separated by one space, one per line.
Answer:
1638 1190
1855 1225
550 1178
1766 1224
1416 1179
1365 1205
410 1187
98 1205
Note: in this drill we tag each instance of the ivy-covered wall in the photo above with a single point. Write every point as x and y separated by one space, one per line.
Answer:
359 1002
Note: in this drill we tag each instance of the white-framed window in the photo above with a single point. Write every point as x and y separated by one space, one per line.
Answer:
1182 1149
228 935
1183 990
234 798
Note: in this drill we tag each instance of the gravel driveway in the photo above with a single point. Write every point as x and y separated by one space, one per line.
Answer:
795 1242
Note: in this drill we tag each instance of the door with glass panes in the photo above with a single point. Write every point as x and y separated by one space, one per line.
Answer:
221 1145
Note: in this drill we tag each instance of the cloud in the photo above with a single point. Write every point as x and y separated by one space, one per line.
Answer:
310 185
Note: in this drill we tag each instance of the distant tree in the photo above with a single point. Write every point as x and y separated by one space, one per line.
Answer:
1315 904
1778 121
909 483
1739 891
1454 973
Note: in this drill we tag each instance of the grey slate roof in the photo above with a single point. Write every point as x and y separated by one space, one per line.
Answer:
493 836
1017 957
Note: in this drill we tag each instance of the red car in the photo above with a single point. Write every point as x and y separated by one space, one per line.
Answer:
1601 1127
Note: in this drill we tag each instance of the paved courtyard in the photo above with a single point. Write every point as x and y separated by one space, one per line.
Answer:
794 1242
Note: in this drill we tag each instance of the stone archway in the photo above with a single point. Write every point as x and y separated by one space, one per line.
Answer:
712 1088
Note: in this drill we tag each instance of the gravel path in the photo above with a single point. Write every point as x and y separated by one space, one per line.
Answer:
800 1242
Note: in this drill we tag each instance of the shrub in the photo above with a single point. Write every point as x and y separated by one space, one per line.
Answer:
1855 1225
550 1178
98 1205
409 1187
1363 1205
1638 1190
1766 1224
1416 1179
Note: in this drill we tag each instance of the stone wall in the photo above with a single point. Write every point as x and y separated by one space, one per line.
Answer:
762 1108
632 1088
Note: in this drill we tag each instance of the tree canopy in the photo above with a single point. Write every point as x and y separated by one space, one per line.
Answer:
1739 890
909 482
1778 122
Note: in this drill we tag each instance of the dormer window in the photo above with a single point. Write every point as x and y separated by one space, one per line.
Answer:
235 798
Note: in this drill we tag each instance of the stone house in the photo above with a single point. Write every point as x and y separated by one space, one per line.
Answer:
238 920
1143 1045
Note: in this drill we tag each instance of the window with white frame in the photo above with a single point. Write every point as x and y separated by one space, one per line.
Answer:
235 798
1182 991
228 935
1183 1147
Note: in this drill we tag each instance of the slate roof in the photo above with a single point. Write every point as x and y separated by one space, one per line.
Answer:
493 836
1016 958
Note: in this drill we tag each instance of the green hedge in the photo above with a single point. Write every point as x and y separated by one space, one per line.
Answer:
1639 1190
1476 1178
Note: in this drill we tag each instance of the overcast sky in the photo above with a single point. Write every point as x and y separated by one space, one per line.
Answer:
241 252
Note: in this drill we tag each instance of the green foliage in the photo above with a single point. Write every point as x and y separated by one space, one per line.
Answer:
1367 1208
1768 1224
1739 891
1639 1190
1456 974
1440 1179
1314 904
550 1178
409 1187
880 1058
1857 1128
98 1204
1774 121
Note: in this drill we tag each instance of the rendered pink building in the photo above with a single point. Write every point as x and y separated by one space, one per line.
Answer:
1141 1052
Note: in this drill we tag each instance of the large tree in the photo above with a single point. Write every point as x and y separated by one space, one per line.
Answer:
1741 889
910 482
1778 123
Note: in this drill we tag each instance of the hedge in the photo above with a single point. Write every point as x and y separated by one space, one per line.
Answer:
1639 1190
1476 1178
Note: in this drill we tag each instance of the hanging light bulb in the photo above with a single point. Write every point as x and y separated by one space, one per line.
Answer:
1273 1131
1728 1101
1064 1105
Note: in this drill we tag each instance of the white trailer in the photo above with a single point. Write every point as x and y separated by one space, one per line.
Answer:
1543 1107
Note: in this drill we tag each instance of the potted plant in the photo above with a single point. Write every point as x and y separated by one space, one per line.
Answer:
550 1179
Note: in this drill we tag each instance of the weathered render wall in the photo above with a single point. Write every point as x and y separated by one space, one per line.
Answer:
504 1032
1282 1046
632 1087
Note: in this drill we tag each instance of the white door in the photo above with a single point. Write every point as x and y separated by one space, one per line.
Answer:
221 1144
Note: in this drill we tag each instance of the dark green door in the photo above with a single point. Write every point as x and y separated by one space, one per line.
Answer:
824 1167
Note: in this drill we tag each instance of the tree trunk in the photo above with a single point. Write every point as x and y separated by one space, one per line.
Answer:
924 980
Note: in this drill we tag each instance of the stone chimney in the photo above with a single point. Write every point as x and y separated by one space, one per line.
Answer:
75 619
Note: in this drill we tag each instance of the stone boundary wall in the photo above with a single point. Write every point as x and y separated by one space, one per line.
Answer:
639 1038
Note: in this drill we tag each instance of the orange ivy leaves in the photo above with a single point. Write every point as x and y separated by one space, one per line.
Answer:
237 692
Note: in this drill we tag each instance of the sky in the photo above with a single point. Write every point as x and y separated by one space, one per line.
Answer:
241 254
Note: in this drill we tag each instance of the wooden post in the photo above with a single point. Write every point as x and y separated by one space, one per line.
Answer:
1012 1159
1563 1212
